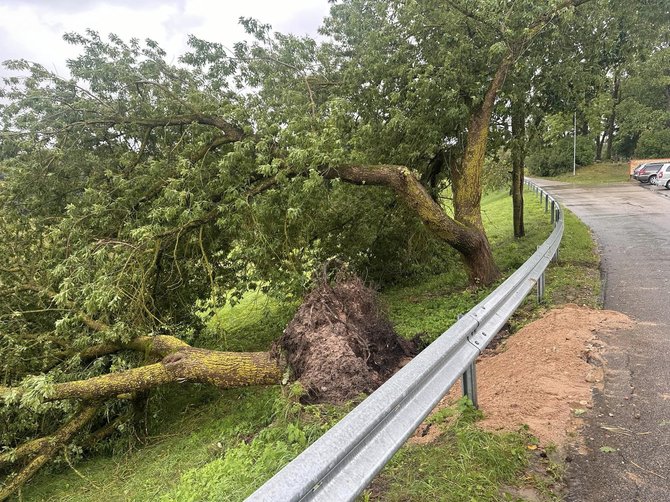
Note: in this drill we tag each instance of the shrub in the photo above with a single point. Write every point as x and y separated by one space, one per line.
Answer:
557 158
653 143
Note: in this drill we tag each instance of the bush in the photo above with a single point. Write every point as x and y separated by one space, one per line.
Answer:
654 143
557 158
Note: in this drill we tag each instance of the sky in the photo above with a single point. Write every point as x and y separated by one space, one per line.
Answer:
33 29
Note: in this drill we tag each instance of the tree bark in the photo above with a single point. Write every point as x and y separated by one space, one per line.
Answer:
518 161
600 140
181 363
466 177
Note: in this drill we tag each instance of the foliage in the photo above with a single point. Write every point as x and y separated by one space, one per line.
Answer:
497 169
645 120
557 157
654 144
139 191
192 430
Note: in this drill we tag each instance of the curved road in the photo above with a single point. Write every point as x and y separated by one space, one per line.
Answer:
631 414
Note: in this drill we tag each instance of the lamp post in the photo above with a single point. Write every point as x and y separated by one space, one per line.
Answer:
574 146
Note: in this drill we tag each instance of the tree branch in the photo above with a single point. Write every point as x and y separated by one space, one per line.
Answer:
50 446
181 363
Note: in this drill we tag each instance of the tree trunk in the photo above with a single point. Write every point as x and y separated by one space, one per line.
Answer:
466 178
184 364
600 140
469 241
611 120
518 161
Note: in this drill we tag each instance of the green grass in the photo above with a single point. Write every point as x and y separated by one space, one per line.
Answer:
465 463
195 437
596 174
251 325
207 445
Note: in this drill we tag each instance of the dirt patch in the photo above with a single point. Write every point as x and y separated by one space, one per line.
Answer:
542 376
340 343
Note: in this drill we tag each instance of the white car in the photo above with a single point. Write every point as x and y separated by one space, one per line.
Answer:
663 176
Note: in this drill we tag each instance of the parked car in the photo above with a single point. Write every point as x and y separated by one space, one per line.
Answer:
637 170
648 172
663 176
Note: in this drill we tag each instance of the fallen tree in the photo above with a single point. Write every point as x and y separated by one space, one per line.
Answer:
338 345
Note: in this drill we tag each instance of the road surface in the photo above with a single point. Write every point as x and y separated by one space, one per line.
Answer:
630 418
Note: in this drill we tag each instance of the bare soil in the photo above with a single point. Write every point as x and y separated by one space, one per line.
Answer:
543 375
340 343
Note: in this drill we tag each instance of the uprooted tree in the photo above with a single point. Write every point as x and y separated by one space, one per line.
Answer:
135 189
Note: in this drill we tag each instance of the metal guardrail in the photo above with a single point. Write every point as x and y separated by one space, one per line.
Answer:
341 464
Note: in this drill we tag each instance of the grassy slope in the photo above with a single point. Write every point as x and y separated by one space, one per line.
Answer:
208 446
596 174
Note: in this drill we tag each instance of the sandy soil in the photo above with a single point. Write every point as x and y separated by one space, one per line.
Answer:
542 376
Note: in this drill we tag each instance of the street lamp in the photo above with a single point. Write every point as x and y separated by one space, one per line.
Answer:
574 146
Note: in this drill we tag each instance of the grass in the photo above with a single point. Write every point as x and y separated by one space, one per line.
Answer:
596 174
195 436
207 445
464 463
251 325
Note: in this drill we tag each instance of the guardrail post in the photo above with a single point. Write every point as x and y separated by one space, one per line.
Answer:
553 211
470 383
469 379
540 288
546 203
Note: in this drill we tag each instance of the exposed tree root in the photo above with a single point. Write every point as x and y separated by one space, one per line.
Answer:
340 343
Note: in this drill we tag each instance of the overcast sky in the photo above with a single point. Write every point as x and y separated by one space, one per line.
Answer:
33 29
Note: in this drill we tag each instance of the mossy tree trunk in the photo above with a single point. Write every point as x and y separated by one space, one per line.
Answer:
179 363
467 238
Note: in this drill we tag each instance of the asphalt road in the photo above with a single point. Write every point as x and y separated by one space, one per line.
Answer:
631 415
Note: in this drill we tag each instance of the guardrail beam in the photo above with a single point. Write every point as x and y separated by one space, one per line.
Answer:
340 464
